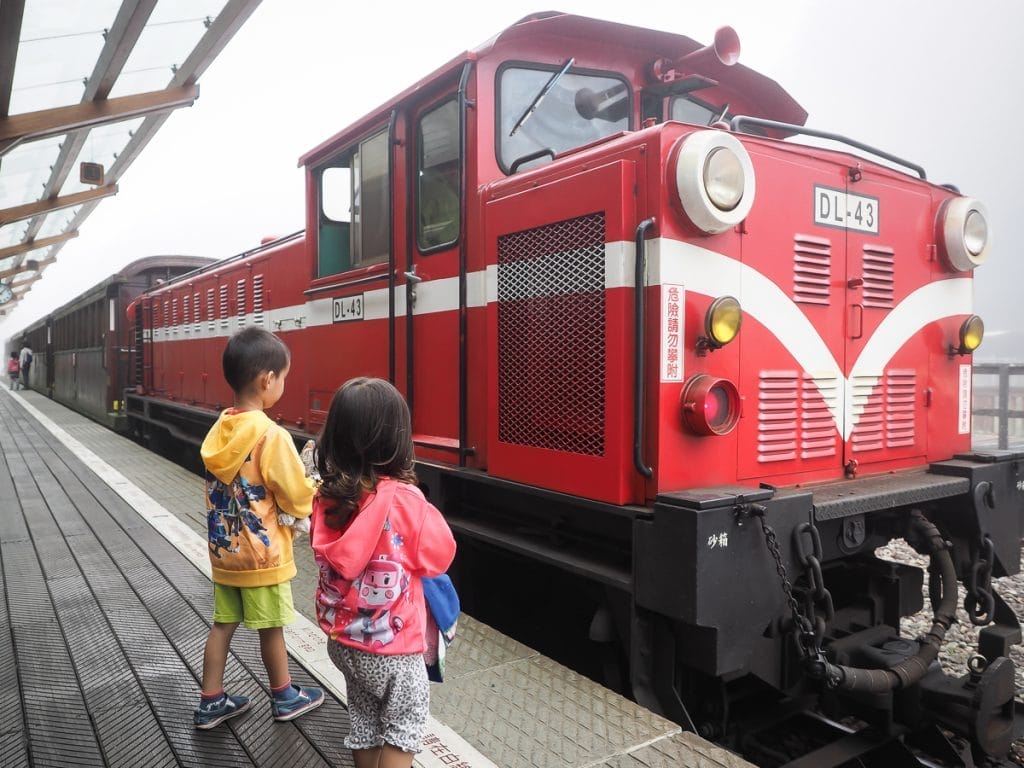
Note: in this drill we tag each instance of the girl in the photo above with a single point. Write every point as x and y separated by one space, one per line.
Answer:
374 538
13 369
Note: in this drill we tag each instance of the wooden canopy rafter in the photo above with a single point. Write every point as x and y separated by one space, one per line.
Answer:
51 122
28 210
31 245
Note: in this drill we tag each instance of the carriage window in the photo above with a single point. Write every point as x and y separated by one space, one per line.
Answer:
577 109
438 176
355 226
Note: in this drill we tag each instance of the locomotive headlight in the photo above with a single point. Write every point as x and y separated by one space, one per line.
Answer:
975 233
963 233
723 178
714 180
709 405
722 321
971 333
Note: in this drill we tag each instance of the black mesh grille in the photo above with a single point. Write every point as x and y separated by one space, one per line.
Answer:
551 336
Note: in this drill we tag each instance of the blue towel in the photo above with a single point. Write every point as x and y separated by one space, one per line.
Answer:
442 619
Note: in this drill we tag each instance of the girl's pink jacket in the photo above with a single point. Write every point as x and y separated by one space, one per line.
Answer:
370 594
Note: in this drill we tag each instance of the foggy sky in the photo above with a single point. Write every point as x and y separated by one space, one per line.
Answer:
932 81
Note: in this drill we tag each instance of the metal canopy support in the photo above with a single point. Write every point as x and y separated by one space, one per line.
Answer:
223 28
121 39
28 210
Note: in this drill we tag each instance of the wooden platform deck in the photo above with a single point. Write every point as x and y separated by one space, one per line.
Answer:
102 628
105 610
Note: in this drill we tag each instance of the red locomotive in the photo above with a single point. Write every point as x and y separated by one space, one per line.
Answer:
651 343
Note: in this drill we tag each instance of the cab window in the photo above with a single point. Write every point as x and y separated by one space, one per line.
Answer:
438 177
568 110
355 225
686 110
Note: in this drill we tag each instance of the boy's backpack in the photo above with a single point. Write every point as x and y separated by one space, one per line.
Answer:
28 358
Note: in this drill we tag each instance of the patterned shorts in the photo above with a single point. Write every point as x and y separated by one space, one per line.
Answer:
388 697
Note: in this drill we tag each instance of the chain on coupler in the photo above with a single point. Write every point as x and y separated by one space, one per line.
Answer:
980 602
808 628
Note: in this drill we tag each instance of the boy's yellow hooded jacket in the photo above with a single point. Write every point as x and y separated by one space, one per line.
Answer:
252 469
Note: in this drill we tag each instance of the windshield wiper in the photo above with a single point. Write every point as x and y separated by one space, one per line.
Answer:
540 97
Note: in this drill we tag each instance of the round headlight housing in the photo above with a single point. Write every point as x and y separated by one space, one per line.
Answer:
714 180
722 321
963 233
971 334
710 405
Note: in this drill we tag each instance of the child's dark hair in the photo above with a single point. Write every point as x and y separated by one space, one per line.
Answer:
367 435
14 355
251 351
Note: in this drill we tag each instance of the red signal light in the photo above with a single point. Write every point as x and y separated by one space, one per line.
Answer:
710 405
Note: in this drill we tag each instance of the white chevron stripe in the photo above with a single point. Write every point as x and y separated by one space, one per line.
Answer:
714 274
699 270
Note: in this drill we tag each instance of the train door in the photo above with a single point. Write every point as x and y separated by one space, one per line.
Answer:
887 296
792 343
433 290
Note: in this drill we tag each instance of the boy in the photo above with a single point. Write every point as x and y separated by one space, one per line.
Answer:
252 471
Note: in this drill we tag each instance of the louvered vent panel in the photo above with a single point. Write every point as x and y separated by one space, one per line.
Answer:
210 309
241 302
819 397
174 316
186 314
900 401
223 306
196 311
257 299
879 271
777 417
866 399
551 336
812 269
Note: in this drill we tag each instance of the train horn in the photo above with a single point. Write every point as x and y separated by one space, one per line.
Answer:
725 49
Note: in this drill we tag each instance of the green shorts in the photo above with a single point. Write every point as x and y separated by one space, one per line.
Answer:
258 607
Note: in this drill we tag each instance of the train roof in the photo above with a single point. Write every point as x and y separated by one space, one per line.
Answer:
773 100
129 273
149 263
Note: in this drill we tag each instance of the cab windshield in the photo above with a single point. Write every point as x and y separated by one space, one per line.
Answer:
576 110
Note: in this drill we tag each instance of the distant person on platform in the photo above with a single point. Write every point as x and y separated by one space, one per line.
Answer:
25 362
14 369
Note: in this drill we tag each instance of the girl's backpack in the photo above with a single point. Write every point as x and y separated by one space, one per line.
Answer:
12 365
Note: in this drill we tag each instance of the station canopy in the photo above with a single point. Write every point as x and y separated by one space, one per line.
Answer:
84 86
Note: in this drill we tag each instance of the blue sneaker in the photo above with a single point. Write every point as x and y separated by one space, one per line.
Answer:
289 709
210 715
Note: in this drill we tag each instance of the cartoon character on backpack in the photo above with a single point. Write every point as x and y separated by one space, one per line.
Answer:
378 589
